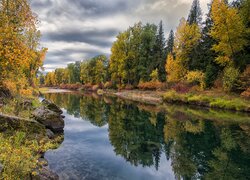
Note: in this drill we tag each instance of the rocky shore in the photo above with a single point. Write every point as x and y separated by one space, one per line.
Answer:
46 119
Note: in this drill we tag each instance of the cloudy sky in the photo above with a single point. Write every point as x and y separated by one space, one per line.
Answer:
75 30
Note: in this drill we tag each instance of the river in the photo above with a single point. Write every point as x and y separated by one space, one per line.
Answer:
109 138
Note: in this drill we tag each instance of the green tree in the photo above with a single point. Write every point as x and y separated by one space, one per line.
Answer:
160 53
195 14
170 42
146 58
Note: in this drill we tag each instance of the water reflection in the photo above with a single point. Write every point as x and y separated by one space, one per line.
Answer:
200 144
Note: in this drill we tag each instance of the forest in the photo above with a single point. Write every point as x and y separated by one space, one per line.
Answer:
211 53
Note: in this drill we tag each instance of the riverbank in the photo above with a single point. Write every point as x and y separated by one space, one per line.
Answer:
146 97
209 99
28 128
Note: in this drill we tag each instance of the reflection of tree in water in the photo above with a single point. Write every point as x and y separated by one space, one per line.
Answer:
94 109
86 107
70 102
198 149
133 136
205 149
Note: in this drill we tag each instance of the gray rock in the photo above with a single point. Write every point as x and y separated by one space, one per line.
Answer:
51 106
49 119
50 134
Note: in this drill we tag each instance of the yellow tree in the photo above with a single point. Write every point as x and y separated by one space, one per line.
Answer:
228 30
175 71
20 57
186 38
118 57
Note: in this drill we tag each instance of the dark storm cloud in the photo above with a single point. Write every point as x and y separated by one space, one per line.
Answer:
94 37
74 30
67 53
100 7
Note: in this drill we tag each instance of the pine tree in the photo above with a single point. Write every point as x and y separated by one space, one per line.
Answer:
195 14
160 53
207 55
170 42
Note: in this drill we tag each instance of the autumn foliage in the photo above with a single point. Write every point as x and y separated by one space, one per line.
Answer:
197 56
20 53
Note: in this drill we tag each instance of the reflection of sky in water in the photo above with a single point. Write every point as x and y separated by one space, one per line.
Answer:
86 153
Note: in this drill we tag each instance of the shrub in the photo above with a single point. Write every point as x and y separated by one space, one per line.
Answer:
230 78
173 96
218 84
152 85
181 87
154 75
246 94
196 77
19 155
245 79
87 87
71 86
210 75
129 87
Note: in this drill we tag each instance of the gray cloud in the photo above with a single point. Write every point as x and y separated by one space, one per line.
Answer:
79 29
94 37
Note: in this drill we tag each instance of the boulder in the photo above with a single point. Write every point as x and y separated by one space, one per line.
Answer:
50 134
51 106
50 119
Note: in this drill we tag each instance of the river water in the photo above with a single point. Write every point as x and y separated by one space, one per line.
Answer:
109 138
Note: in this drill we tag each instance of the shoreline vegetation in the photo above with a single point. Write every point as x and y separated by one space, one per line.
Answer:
208 99
28 128
153 102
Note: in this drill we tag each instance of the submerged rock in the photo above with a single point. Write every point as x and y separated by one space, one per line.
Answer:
51 106
50 119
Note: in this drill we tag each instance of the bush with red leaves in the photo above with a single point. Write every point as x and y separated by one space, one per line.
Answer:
152 85
246 94
181 87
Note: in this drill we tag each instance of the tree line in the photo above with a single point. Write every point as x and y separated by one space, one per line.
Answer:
21 56
214 52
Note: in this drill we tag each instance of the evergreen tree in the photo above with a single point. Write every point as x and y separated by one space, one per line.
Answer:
160 53
207 55
170 42
195 19
146 59
195 14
